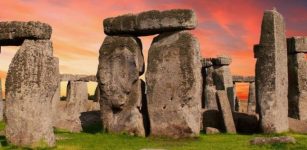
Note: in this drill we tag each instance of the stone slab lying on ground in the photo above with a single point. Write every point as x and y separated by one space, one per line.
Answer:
84 78
13 33
174 85
272 140
297 44
150 22
225 108
238 78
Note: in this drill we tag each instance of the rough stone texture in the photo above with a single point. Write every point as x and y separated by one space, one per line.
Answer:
297 126
223 81
246 123
174 85
120 87
251 105
97 94
224 107
272 74
206 62
30 85
15 32
237 104
237 78
1 109
69 111
210 130
272 140
221 60
0 90
84 78
297 96
297 44
209 92
151 22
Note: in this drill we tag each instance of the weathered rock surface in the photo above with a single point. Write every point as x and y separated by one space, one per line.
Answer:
221 60
224 107
297 96
174 85
210 130
120 63
251 105
237 78
209 92
151 22
297 44
272 74
15 32
223 81
213 118
297 126
1 102
30 85
68 112
84 78
272 140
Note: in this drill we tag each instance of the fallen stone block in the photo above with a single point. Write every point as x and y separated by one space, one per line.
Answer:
246 123
150 22
13 33
272 140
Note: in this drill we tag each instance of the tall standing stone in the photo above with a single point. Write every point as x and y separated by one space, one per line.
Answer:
31 83
272 74
226 111
209 92
120 64
297 73
174 85
251 105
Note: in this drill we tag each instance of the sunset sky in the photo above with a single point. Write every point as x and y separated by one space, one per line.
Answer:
224 27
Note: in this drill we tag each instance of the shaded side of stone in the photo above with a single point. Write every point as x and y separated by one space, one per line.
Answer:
213 118
225 109
120 87
15 32
31 83
272 74
174 85
297 44
246 123
150 22
251 105
297 73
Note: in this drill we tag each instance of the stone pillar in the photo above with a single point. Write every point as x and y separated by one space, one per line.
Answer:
272 74
236 104
297 73
174 85
223 79
225 109
1 90
30 85
120 64
209 92
251 105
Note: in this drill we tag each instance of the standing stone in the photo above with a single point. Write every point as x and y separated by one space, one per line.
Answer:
271 74
1 102
68 112
224 107
0 90
120 63
174 85
223 79
209 92
297 69
31 83
251 105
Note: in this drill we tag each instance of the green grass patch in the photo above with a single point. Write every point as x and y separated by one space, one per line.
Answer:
95 140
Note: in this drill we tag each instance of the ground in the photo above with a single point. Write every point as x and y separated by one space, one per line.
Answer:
94 140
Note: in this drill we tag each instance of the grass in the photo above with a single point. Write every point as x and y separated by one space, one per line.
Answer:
102 141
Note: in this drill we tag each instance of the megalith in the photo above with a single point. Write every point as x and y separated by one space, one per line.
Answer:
209 89
31 83
225 109
272 74
174 85
120 64
251 105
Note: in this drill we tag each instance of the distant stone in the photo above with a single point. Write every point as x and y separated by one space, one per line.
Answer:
225 108
15 32
209 92
1 102
174 85
31 83
297 44
210 130
120 87
238 78
272 74
151 22
297 96
84 78
272 140
222 60
251 106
